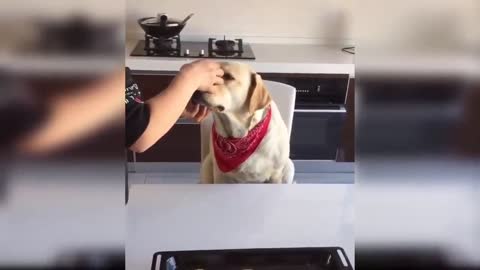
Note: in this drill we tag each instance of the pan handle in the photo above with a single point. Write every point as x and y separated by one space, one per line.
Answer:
186 19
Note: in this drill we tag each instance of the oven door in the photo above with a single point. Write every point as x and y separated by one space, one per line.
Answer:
316 132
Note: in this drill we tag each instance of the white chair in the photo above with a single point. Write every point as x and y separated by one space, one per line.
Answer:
282 94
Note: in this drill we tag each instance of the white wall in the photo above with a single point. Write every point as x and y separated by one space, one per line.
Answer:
319 21
413 24
95 9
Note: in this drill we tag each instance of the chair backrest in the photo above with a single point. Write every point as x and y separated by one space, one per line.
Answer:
282 94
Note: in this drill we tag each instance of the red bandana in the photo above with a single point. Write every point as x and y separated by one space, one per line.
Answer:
231 152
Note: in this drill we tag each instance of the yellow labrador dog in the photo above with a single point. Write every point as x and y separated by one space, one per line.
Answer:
249 140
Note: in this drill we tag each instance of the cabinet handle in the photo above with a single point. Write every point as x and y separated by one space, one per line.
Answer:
186 122
341 110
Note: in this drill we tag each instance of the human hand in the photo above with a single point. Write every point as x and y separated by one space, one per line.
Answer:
202 73
195 111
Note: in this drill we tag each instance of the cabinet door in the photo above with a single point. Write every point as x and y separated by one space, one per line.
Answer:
182 141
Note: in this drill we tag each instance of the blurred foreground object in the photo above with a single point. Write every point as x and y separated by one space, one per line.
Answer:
65 75
62 136
418 88
74 116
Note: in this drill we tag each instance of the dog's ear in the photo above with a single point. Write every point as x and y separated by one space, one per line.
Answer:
258 95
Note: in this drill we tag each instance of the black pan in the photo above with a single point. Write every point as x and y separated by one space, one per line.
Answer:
162 26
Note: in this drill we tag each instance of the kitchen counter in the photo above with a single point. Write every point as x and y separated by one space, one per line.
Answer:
194 217
270 58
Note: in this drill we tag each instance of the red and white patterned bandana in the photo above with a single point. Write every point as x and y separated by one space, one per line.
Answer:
231 152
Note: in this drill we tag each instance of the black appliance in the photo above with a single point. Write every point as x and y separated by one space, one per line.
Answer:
175 47
319 115
254 259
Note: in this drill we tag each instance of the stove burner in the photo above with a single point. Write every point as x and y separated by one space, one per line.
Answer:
225 47
163 43
162 47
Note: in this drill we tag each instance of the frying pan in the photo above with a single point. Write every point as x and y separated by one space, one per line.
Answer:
162 26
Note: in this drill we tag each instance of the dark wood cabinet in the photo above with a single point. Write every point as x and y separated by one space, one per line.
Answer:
182 142
152 84
468 131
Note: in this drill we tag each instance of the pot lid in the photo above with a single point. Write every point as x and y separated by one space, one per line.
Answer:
155 21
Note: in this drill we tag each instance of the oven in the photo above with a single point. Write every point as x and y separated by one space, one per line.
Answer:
319 115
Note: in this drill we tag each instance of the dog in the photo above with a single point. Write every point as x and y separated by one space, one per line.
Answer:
249 141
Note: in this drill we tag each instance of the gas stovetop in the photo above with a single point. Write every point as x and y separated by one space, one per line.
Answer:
174 47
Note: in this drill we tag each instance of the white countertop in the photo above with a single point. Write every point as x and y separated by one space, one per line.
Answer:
274 58
195 217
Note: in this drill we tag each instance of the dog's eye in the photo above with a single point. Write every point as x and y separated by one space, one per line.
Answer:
228 77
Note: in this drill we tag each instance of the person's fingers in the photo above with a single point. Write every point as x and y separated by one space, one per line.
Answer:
203 110
196 109
193 110
190 106
206 114
215 65
217 80
199 61
202 114
198 118
219 72
207 63
199 113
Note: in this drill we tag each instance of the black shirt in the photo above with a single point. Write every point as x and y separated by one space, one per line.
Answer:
137 113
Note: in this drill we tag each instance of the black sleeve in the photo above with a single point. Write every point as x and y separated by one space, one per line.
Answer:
137 113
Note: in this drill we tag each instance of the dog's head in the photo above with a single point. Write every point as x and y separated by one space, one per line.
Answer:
243 90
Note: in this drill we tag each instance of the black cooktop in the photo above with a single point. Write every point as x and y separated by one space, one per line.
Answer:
192 49
325 258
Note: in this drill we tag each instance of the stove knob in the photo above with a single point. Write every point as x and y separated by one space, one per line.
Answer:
187 52
202 53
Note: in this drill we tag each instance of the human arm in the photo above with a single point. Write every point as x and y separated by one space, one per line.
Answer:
166 107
